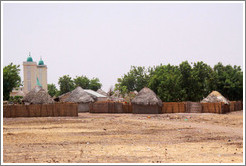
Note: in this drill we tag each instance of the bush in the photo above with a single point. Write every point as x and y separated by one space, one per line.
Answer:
16 99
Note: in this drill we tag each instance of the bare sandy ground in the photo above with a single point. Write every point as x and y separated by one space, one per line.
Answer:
125 138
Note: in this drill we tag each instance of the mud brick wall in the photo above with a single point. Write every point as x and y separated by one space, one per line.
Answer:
173 107
232 106
238 105
212 107
84 107
225 108
127 107
40 110
118 107
193 107
110 107
146 109
99 107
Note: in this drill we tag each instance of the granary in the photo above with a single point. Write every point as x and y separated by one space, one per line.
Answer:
214 97
78 95
96 96
37 96
146 102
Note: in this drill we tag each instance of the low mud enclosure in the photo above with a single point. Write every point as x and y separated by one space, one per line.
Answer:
125 138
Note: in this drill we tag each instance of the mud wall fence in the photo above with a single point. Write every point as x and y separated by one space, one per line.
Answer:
40 110
197 107
111 107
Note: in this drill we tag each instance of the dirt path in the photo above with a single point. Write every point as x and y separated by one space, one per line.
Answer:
125 138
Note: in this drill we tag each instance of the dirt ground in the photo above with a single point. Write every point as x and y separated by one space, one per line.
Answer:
125 138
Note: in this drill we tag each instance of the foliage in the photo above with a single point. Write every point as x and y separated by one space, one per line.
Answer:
229 81
82 81
66 84
11 79
16 99
165 82
136 79
52 90
200 81
184 82
95 84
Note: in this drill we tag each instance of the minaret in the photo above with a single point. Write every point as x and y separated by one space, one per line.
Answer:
42 74
30 74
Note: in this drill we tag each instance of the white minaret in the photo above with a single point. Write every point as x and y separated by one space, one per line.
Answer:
42 74
30 77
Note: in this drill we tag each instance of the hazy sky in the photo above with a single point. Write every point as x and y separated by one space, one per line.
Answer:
104 39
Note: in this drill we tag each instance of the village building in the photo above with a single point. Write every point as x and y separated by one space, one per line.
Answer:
78 95
146 102
95 95
34 73
214 97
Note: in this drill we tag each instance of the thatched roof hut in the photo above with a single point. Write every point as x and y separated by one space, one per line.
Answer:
146 102
62 97
214 97
78 95
37 96
147 97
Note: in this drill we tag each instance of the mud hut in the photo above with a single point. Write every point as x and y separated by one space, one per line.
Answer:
215 97
146 102
79 96
37 96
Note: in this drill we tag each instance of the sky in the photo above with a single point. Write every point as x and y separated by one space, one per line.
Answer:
104 40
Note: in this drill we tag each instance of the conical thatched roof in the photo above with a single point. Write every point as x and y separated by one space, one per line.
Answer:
63 97
102 92
147 97
214 97
38 96
78 95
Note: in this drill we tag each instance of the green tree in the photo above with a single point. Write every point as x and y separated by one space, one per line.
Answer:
165 82
136 79
11 79
82 81
185 80
66 84
95 84
16 99
52 90
229 81
201 78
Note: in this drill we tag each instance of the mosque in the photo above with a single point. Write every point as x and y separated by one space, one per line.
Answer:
34 74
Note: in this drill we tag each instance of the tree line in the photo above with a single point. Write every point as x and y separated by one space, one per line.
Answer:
12 79
67 84
184 82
